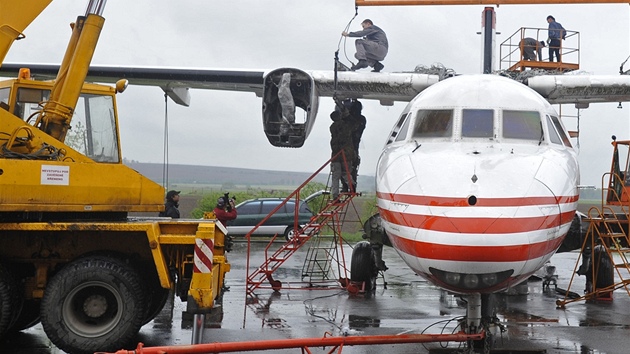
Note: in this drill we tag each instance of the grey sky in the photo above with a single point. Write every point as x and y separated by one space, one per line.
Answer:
225 128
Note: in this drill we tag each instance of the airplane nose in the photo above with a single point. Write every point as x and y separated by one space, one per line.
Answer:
471 224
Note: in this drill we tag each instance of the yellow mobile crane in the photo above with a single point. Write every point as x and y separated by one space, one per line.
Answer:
69 254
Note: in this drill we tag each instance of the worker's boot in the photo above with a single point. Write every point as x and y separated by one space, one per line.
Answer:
360 65
378 67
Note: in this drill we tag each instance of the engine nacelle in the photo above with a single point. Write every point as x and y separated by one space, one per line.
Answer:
284 90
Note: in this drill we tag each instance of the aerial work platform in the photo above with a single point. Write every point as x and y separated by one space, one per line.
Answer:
512 51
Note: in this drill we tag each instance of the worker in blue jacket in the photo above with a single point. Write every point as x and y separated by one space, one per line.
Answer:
556 34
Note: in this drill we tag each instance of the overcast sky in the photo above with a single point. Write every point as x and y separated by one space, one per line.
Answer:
225 128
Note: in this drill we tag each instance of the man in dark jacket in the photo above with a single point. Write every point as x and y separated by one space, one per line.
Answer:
340 140
171 205
556 34
357 124
372 48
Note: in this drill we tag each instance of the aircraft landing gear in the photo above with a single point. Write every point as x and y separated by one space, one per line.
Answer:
480 318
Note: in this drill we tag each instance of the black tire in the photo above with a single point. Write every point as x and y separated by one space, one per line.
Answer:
289 233
575 235
29 316
10 301
93 304
156 297
363 264
603 268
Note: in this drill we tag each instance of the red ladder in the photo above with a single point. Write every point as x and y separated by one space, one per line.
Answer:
328 215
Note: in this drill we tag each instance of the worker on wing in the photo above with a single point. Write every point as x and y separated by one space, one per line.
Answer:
371 49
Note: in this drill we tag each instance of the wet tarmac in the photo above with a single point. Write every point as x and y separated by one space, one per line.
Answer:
407 304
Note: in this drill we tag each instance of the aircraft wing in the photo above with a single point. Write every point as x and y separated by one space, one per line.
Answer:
175 82
285 89
582 89
385 87
282 90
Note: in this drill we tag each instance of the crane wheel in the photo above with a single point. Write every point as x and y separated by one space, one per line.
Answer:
156 296
29 316
10 301
93 304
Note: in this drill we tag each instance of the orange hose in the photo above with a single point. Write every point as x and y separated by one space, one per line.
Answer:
302 343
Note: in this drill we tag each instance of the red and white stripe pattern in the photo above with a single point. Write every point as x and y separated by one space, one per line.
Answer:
495 234
203 255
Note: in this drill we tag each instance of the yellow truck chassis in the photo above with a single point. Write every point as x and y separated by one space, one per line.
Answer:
97 283
70 255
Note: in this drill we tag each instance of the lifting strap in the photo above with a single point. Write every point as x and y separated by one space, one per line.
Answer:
338 64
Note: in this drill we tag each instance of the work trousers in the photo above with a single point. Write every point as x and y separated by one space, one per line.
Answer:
338 173
369 51
554 47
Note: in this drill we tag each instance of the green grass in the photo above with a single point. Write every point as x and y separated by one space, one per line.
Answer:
353 237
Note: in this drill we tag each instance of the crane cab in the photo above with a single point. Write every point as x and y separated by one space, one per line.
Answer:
80 172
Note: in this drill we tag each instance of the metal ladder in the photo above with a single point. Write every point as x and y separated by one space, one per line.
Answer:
274 259
606 232
331 214
325 250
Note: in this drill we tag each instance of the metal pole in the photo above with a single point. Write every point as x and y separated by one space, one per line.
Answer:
95 7
198 324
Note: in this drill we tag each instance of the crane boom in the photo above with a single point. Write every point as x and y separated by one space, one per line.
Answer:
12 26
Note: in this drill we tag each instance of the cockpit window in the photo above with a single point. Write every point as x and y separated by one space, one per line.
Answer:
522 125
553 134
397 132
563 136
434 123
477 123
404 130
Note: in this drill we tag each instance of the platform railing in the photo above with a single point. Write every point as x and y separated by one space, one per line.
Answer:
511 51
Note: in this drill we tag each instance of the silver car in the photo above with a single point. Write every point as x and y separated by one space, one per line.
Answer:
253 211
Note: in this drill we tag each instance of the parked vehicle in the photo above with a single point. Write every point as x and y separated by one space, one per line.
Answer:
251 212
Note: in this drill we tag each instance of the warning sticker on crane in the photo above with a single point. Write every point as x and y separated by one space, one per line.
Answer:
55 175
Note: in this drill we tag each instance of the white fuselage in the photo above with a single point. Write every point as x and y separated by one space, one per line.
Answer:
477 185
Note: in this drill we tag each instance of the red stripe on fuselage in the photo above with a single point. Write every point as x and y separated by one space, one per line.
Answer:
480 202
459 253
476 225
